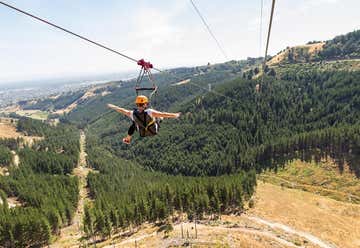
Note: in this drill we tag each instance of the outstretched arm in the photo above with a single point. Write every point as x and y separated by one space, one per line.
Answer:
120 110
158 114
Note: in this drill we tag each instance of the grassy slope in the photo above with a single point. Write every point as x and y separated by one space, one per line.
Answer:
331 220
323 178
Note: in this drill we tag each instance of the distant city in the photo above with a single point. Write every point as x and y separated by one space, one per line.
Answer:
13 92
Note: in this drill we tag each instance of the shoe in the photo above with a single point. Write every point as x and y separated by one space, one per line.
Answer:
126 140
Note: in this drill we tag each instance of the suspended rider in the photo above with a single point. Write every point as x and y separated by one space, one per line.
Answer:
144 119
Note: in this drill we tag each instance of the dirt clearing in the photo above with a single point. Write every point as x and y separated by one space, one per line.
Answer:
8 131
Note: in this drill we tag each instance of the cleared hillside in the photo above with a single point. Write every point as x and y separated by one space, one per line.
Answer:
324 178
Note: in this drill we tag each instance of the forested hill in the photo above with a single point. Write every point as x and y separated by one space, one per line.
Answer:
202 164
47 195
341 47
218 135
198 78
235 128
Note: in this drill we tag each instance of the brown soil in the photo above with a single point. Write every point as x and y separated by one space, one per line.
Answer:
8 131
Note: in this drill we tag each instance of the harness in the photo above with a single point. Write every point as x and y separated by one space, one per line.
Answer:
147 125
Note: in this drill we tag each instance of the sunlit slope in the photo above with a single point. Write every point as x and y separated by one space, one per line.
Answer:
323 178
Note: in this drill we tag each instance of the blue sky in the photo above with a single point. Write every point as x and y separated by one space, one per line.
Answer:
168 33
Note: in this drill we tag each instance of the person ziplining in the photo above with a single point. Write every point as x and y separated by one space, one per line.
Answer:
144 119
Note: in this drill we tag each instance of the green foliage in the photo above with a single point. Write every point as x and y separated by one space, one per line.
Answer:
53 103
123 94
46 162
32 127
342 47
12 144
5 156
202 164
27 228
127 195
217 135
48 200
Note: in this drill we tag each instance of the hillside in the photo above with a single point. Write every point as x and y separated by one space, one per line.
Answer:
305 53
280 217
322 178
341 47
292 107
202 167
75 105
308 114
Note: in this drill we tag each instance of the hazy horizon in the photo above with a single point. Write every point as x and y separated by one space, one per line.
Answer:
169 34
68 79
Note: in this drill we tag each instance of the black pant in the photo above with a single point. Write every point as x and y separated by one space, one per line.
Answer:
132 129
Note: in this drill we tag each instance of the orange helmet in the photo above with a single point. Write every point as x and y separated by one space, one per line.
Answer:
141 99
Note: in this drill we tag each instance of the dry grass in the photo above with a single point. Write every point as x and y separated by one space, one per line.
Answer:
316 47
8 131
181 82
13 202
331 220
10 109
88 94
208 236
34 114
105 93
311 50
323 178
4 171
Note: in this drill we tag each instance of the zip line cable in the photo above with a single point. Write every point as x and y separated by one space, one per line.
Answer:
261 17
268 38
116 52
70 32
209 30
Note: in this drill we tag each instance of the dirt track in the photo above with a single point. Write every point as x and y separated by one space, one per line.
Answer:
70 235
